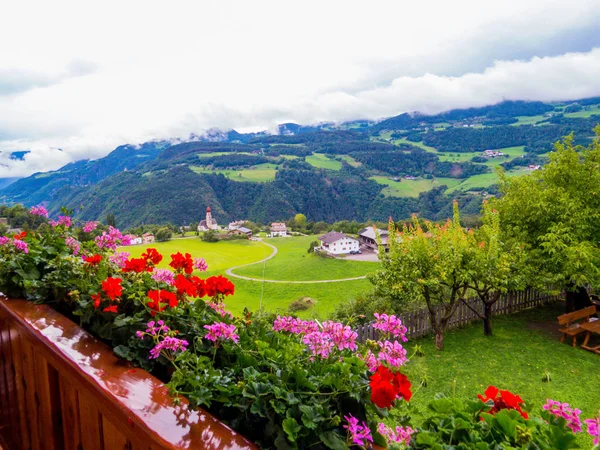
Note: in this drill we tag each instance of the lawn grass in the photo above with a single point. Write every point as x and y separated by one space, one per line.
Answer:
516 358
528 120
412 188
321 161
485 180
294 263
256 174
415 144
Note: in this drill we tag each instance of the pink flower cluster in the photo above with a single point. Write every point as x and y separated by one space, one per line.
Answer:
593 428
391 353
164 275
164 342
200 264
169 344
62 220
359 433
119 258
38 211
342 335
111 239
401 435
4 240
295 326
220 308
221 331
90 226
320 344
73 244
21 246
565 411
390 325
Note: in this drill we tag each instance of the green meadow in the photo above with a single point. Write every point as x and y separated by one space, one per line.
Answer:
412 188
321 161
260 173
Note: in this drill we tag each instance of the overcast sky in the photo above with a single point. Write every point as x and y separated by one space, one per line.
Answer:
77 80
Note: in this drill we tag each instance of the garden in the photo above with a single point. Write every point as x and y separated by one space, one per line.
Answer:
285 382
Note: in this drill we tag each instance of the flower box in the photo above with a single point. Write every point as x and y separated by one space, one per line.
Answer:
60 388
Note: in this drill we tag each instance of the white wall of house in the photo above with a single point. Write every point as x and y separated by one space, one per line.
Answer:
342 246
278 233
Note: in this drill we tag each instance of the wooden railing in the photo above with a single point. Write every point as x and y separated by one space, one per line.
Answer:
418 324
62 389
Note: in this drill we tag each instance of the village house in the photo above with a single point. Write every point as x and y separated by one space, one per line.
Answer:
209 223
534 167
278 229
337 243
410 177
135 240
235 225
147 238
492 153
242 230
368 238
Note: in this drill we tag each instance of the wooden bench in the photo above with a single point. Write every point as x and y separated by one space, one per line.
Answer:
571 323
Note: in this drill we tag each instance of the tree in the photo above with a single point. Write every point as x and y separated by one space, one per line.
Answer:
311 246
209 236
163 234
427 267
300 221
556 212
110 220
496 266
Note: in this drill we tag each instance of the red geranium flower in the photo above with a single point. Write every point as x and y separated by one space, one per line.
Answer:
152 255
112 287
387 386
502 399
160 299
218 285
182 263
111 308
93 260
97 299
21 235
185 286
136 265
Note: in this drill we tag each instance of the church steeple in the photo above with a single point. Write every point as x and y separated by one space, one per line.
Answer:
208 216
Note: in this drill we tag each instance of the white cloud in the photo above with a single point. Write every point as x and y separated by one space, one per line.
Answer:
87 80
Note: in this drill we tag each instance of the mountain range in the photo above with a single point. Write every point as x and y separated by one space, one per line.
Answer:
360 170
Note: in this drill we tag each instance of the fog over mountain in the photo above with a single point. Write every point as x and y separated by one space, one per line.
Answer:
79 93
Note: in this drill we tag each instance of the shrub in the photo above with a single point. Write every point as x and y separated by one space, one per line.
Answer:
210 236
302 304
163 234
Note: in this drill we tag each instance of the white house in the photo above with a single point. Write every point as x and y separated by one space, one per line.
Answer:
369 235
338 243
278 229
135 240
236 224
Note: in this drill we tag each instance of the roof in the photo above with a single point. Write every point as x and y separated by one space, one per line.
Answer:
147 234
244 230
333 236
208 209
370 233
278 226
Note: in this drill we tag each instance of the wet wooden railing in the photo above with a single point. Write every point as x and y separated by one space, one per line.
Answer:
60 388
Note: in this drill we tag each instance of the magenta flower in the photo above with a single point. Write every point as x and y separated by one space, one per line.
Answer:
390 325
119 258
90 226
38 211
73 244
169 344
593 428
21 246
392 353
371 361
295 326
221 331
220 308
4 240
62 220
565 411
401 435
319 343
342 336
164 276
200 264
359 433
111 239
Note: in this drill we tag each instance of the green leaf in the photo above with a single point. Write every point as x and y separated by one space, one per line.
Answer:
291 428
123 351
333 440
506 424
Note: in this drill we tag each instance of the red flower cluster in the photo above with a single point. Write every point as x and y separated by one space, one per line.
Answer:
93 260
502 400
182 263
112 287
160 300
149 259
21 235
191 286
218 285
387 386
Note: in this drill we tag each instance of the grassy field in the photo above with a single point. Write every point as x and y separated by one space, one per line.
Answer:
271 296
412 188
257 174
484 180
528 120
293 263
512 152
321 161
516 358
594 109
414 144
350 160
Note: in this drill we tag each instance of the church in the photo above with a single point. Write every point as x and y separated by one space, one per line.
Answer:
209 223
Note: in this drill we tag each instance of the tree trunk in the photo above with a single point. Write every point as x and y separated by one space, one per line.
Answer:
577 298
439 339
487 320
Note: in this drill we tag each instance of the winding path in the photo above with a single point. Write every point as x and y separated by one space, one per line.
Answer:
272 255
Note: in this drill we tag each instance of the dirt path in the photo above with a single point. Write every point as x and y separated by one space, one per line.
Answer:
272 255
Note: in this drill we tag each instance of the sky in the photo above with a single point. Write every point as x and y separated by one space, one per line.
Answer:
77 79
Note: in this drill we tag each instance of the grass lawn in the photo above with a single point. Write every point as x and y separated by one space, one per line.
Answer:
415 144
293 263
321 161
258 174
350 160
528 120
412 188
485 180
524 347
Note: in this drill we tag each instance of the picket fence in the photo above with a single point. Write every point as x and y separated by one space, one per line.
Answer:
417 322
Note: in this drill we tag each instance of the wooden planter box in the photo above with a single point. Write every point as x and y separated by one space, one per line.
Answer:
60 388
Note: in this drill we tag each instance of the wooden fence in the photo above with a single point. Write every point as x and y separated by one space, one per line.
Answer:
417 322
61 389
